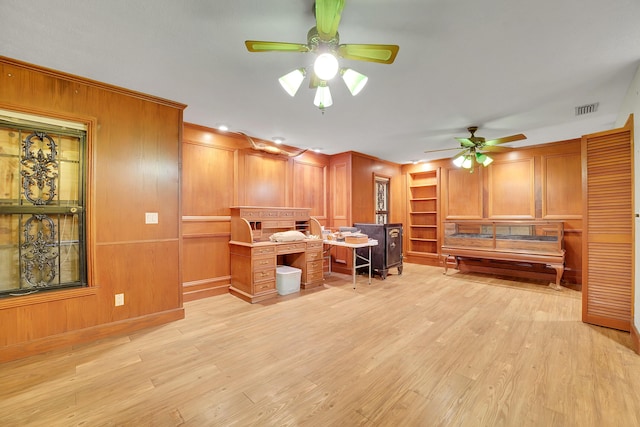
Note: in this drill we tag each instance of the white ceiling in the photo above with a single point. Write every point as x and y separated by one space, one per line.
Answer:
507 66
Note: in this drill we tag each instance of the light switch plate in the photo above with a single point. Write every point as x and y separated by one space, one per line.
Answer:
119 299
151 218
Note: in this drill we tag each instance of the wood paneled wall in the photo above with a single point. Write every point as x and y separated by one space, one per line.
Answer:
539 182
352 197
220 170
133 168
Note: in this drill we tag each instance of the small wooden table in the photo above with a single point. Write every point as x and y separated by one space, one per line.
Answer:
356 257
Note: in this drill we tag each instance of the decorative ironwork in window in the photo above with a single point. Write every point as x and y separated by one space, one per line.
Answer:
382 199
42 213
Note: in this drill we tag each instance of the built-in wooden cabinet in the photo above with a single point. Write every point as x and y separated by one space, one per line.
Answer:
422 233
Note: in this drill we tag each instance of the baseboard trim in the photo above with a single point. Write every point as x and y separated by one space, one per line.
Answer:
205 293
635 338
94 333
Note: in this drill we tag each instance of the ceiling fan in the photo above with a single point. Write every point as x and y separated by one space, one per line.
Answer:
473 149
324 42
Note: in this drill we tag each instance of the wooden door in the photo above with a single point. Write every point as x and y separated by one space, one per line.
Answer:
607 278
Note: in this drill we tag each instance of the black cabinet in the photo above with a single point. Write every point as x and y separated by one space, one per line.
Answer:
388 253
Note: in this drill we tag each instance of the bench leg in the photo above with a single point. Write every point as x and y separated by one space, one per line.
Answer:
559 268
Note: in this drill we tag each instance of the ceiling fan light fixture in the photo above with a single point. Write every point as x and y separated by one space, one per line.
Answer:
323 99
354 80
326 66
483 159
292 81
459 160
467 163
487 161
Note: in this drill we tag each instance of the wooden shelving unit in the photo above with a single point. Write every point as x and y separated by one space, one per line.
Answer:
423 214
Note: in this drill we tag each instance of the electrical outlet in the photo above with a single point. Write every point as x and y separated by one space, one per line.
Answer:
119 299
151 217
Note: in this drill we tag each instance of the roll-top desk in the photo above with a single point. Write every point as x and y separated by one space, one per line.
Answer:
254 257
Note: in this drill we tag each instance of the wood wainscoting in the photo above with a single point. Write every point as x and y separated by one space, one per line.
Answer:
133 168
205 254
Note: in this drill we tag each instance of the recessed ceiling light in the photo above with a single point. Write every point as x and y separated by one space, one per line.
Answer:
278 139
223 128
317 149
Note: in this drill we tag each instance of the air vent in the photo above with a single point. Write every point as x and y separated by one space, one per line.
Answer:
587 109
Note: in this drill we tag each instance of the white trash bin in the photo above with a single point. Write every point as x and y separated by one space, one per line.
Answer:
287 279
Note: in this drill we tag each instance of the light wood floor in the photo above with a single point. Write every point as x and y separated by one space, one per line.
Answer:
421 349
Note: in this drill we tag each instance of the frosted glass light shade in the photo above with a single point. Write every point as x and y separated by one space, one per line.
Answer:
468 162
459 160
291 82
323 97
326 66
483 159
354 80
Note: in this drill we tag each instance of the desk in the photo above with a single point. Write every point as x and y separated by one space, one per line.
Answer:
253 266
356 257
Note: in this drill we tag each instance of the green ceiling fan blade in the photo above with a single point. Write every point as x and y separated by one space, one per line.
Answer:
328 14
263 46
511 138
381 53
466 142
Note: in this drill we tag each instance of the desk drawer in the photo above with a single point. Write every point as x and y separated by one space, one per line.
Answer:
264 263
314 245
314 266
263 250
314 276
264 286
290 248
314 256
263 275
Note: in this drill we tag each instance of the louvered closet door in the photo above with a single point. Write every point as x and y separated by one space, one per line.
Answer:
607 282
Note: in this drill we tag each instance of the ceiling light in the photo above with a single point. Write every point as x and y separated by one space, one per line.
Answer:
459 160
326 66
467 163
323 97
278 139
483 159
223 128
291 82
354 80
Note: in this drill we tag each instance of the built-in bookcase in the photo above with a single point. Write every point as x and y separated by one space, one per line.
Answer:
423 213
